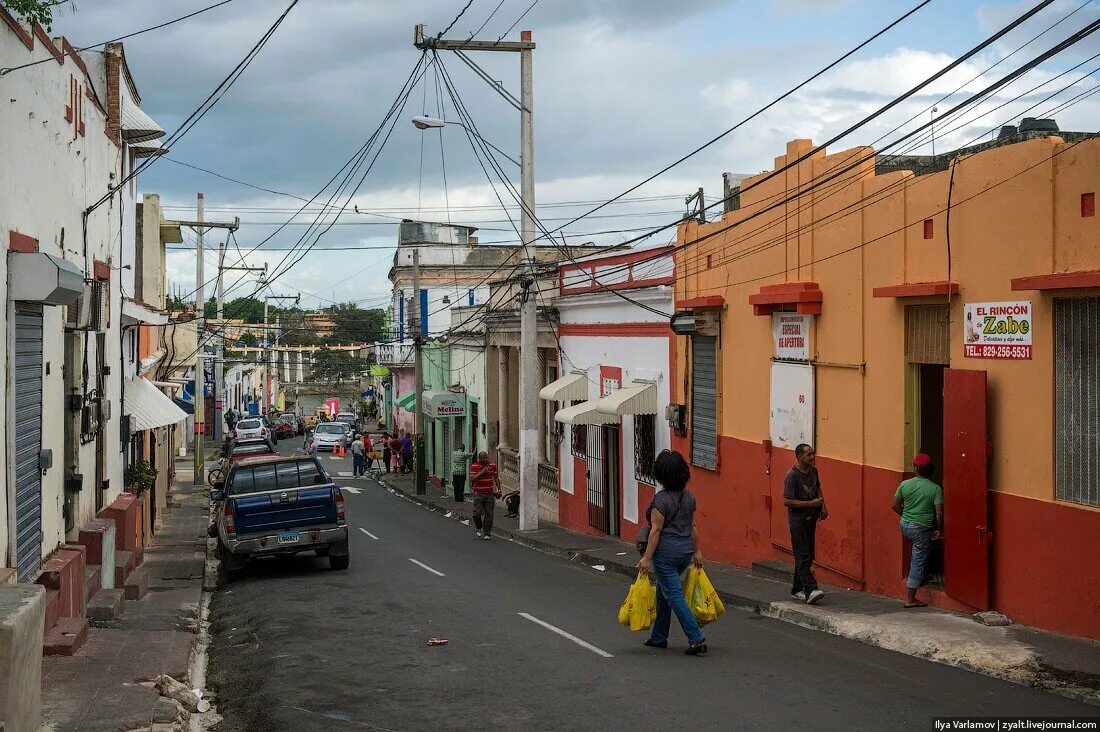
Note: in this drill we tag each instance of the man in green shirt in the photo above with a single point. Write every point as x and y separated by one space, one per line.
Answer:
919 502
459 461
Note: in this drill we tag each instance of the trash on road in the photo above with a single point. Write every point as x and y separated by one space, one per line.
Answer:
599 567
465 522
620 554
449 514
437 641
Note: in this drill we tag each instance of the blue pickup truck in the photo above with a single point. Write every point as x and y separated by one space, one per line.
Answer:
279 505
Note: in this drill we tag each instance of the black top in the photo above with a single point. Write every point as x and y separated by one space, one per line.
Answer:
802 487
678 508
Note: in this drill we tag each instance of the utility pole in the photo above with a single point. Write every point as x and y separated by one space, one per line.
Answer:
530 381
200 373
219 364
268 351
418 380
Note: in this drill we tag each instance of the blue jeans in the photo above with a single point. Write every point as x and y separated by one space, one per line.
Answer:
921 539
358 464
672 557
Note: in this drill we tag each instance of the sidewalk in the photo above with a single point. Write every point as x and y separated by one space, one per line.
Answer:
107 685
1059 664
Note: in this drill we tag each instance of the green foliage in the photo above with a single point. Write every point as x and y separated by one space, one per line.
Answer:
337 366
248 338
355 324
141 476
37 11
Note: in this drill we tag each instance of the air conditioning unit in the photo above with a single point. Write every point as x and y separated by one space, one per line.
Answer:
78 316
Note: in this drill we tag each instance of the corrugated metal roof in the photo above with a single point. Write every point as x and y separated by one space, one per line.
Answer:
149 407
138 126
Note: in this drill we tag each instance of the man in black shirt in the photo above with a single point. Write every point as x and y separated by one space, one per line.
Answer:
805 507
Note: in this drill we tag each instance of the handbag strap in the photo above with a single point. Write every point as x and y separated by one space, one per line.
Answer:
649 511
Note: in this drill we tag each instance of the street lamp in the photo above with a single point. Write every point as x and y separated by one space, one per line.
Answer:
423 122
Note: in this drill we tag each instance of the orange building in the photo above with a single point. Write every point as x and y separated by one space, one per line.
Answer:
833 306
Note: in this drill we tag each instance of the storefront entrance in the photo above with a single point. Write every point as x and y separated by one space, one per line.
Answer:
603 478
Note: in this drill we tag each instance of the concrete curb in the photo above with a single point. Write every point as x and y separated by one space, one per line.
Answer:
1017 665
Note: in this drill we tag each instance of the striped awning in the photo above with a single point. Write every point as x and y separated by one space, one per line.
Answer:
138 126
569 388
637 399
584 413
407 401
148 149
149 407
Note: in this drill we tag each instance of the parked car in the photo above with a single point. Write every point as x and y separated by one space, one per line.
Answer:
330 435
347 418
279 506
235 451
286 425
253 428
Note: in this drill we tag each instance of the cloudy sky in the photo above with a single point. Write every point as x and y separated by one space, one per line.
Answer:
622 87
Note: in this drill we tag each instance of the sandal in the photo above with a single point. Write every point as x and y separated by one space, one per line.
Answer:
696 649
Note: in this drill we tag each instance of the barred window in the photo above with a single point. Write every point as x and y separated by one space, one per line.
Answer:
645 447
578 438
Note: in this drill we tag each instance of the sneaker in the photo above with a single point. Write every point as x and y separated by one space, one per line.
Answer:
814 597
479 534
800 596
487 537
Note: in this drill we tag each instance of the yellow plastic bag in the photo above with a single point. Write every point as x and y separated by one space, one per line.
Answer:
701 597
639 609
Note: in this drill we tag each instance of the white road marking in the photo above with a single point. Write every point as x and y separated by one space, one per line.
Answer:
343 474
570 636
349 489
424 566
369 534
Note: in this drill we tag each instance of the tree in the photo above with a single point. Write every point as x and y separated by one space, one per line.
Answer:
248 338
295 331
248 309
37 11
337 366
354 324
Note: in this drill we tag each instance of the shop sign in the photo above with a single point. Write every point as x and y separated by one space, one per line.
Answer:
997 330
791 333
439 404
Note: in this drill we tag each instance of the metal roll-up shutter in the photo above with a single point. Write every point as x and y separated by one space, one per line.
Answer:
704 401
28 440
1077 400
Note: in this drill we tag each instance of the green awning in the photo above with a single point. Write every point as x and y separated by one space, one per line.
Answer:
407 401
379 371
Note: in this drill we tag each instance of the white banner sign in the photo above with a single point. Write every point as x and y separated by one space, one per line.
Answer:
997 330
792 404
792 335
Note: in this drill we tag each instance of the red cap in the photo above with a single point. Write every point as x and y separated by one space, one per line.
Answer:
922 460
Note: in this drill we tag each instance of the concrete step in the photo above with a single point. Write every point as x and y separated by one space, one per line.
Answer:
774 569
65 638
93 574
124 565
53 610
137 585
106 605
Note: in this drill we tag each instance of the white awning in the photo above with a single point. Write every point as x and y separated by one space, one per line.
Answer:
569 388
443 403
138 126
584 413
148 149
149 407
637 399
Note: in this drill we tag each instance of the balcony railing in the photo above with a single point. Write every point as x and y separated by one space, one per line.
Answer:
508 468
394 354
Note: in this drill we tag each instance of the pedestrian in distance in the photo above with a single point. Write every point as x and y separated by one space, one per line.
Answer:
485 484
387 454
395 453
368 452
407 453
672 545
358 466
459 460
919 503
805 507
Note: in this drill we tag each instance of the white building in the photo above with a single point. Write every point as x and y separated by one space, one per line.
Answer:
70 136
615 365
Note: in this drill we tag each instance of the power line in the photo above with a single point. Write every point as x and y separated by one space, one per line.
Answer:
462 12
521 17
6 71
482 26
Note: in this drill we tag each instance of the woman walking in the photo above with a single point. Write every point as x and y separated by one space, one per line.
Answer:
671 548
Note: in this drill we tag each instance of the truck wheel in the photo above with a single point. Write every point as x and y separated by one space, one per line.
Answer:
335 562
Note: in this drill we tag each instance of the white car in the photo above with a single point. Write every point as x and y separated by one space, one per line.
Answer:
330 435
252 428
347 418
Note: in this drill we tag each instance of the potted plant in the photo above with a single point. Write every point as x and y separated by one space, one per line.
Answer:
140 477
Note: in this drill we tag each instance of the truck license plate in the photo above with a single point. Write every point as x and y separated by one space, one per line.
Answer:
289 537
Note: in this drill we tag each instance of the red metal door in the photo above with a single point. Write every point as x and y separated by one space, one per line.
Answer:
965 487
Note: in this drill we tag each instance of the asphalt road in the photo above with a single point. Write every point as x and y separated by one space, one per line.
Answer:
300 647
